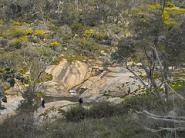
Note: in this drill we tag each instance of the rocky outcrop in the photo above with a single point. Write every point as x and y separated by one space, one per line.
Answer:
112 85
10 107
52 111
65 76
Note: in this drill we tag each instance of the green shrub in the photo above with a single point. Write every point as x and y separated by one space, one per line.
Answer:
106 110
56 60
22 69
179 75
78 28
14 32
97 111
40 94
40 33
102 110
178 85
146 102
43 51
91 46
17 43
28 31
1 22
71 58
55 44
45 77
98 35
76 114
17 23
88 33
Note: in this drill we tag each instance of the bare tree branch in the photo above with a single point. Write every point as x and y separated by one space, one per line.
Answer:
137 76
164 129
174 119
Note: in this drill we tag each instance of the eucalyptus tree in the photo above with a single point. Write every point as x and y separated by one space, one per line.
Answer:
157 39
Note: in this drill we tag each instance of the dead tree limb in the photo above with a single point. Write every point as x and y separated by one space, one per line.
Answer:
164 129
173 119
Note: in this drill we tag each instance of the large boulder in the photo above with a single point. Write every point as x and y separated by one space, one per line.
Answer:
111 85
94 84
65 76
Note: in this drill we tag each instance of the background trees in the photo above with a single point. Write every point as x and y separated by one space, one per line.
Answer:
37 33
157 43
153 31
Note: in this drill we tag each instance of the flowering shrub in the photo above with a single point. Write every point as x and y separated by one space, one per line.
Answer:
28 32
55 44
39 33
13 32
95 34
17 43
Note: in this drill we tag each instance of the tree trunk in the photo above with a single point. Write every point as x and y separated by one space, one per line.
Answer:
165 75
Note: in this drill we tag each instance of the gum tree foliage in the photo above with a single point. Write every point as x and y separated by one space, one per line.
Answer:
158 43
87 12
7 72
26 66
36 63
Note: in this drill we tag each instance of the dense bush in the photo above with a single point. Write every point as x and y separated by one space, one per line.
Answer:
102 110
18 43
178 85
76 114
97 111
45 77
13 31
92 33
132 104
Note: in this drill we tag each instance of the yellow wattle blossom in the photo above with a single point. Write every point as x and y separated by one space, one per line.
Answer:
39 32
170 11
55 44
28 32
88 33
21 40
17 23
154 6
13 32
